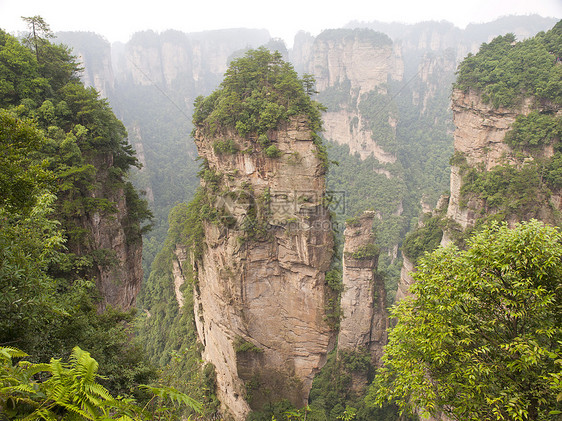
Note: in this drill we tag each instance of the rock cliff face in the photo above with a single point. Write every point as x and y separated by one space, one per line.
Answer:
480 131
119 283
348 64
112 240
94 53
173 58
260 295
406 279
363 302
338 57
479 142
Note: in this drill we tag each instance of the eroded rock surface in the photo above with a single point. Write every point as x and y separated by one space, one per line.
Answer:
260 295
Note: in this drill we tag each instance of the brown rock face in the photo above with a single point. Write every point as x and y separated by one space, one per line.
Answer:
260 296
356 65
479 137
114 242
364 323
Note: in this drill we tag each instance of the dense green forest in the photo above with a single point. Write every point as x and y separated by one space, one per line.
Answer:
64 158
505 72
480 338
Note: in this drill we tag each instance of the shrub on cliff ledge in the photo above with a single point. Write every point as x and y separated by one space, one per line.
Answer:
259 91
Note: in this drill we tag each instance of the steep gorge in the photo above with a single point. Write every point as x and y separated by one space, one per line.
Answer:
414 143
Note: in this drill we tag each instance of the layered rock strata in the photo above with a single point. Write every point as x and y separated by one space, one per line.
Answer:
260 294
348 64
113 241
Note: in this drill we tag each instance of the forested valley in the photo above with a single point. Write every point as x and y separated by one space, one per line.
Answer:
101 180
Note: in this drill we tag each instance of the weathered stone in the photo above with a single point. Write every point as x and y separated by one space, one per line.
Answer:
366 68
269 291
363 301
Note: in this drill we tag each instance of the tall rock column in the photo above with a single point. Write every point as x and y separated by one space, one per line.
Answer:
365 320
260 295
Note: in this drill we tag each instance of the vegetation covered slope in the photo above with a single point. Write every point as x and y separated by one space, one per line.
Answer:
480 339
258 92
505 71
60 142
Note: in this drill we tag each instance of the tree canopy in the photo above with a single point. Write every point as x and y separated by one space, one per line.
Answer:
64 158
258 92
505 71
481 337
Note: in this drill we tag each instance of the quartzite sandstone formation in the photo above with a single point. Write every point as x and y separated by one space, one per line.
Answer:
480 131
260 295
351 63
363 301
479 141
114 239
364 322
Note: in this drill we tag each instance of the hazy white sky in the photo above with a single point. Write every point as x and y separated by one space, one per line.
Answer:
117 20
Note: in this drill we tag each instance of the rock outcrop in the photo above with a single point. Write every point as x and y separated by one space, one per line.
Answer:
260 294
363 301
480 131
111 239
479 137
348 64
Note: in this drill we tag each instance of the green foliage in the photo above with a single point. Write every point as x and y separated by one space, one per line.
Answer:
505 71
70 391
225 147
376 110
21 178
66 159
366 189
166 330
259 91
331 397
242 345
28 245
424 239
534 130
506 190
272 152
337 96
334 280
368 251
480 338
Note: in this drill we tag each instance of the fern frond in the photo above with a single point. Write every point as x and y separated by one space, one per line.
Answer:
56 368
9 352
77 410
125 418
32 369
26 388
171 393
59 392
85 366
41 414
98 390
